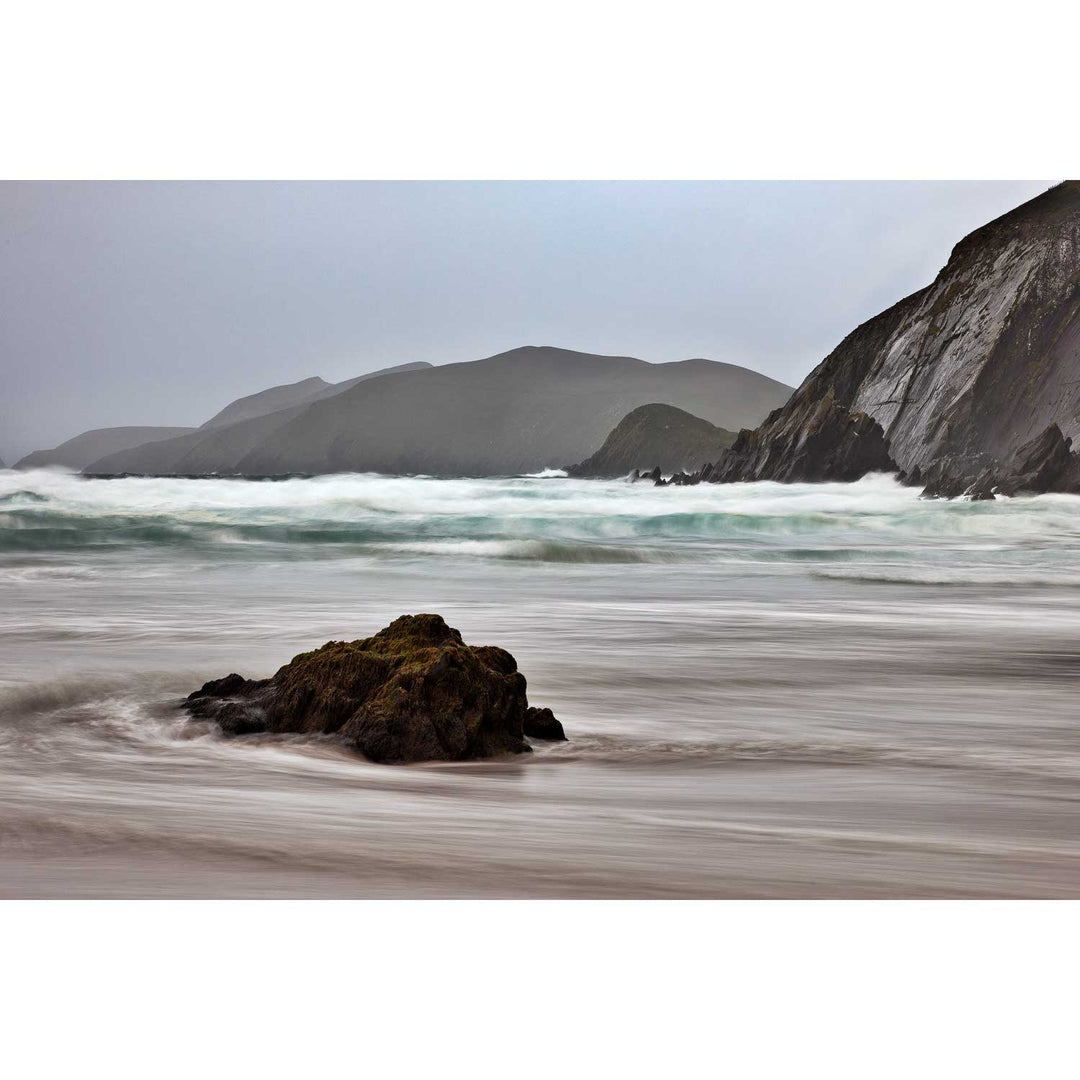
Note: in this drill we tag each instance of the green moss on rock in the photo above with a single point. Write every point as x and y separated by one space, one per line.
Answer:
412 692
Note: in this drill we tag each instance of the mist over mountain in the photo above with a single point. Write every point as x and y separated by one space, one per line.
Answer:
277 398
81 450
271 400
511 413
231 433
514 412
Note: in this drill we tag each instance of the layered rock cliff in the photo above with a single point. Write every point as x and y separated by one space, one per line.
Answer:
972 367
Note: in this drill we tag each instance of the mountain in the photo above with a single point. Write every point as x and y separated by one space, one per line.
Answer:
515 412
960 376
203 450
277 398
80 451
195 453
267 401
652 436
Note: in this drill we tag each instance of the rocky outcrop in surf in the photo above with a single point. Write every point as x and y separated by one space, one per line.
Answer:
657 436
541 724
412 692
819 440
969 369
1043 464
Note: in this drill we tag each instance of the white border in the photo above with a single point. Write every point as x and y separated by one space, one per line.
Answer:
561 90
576 89
539 989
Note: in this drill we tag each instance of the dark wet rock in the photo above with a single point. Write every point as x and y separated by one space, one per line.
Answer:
1042 464
541 724
1039 464
951 476
412 692
982 490
820 441
653 475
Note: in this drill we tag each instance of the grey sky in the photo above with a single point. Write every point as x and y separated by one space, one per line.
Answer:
158 303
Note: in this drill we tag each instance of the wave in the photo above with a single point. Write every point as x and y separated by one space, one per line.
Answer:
539 551
543 518
104 719
1017 577
618 750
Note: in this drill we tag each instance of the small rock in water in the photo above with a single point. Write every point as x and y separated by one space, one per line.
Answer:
412 692
541 724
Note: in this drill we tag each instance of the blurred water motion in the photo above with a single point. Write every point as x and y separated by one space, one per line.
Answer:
829 690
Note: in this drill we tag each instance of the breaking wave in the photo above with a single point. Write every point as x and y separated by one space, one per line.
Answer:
542 518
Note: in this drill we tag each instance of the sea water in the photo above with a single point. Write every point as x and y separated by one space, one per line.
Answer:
769 690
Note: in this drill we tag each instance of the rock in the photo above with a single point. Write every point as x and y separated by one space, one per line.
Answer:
982 490
977 363
671 437
950 477
1037 465
820 441
412 692
1042 464
541 724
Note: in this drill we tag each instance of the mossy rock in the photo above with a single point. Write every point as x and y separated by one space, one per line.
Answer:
412 692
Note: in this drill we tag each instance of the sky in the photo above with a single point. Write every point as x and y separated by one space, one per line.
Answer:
159 303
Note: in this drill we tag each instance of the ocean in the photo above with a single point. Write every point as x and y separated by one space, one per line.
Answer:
832 690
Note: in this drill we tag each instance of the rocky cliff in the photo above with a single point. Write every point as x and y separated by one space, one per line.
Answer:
652 436
971 368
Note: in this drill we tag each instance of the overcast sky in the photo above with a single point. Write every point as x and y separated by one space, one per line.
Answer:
157 303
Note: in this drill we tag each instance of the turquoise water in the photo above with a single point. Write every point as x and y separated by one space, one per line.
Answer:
771 690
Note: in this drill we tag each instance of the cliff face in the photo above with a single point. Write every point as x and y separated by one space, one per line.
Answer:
819 440
656 436
978 363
